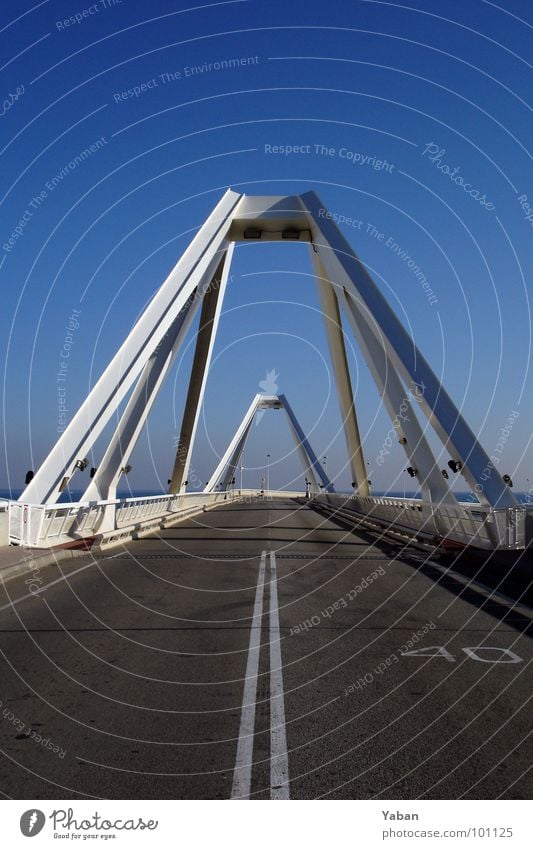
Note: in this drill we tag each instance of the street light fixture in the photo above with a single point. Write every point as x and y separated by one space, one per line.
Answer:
455 465
268 473
368 476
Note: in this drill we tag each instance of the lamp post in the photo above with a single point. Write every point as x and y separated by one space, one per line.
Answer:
242 467
268 473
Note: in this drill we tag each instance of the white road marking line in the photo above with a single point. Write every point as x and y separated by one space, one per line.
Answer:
279 761
242 775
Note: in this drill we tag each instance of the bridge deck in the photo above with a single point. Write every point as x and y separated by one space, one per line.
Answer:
135 667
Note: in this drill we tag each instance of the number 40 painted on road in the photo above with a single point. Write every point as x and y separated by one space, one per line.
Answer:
473 652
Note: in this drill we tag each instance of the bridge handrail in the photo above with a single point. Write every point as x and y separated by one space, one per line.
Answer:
42 525
466 522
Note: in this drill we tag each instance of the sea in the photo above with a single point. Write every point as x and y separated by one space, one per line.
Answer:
74 495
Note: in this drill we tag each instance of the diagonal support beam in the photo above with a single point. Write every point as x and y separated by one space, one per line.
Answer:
225 470
209 319
199 260
313 468
104 484
344 268
230 458
398 405
332 319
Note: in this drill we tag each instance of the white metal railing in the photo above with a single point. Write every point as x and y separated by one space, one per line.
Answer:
4 522
465 523
42 526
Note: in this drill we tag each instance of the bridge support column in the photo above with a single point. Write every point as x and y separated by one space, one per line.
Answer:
344 268
332 319
230 458
309 459
209 318
104 484
397 402
199 261
225 470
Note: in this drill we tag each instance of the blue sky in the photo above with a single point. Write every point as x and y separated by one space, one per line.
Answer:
417 87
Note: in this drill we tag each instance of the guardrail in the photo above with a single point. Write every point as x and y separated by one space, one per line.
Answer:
464 523
4 521
44 526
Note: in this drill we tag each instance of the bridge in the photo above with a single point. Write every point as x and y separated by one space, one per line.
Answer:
239 643
138 369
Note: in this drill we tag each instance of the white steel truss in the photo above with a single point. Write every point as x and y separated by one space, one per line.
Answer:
140 366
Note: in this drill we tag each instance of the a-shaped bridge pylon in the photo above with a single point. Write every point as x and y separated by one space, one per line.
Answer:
404 379
224 474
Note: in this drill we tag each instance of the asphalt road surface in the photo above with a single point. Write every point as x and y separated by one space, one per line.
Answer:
264 651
